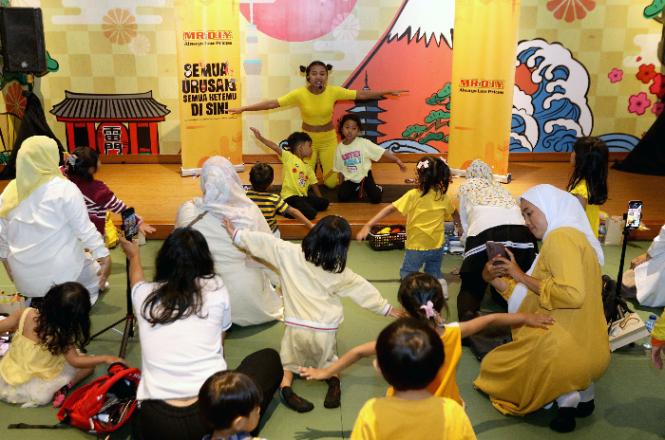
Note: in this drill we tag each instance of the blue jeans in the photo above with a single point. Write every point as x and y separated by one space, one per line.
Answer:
413 260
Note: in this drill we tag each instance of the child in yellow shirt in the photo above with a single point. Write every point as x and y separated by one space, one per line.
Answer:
297 176
408 355
426 208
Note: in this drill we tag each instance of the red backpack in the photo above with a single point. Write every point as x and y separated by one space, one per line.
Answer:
105 404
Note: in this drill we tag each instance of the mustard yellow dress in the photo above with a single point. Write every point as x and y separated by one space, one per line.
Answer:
540 365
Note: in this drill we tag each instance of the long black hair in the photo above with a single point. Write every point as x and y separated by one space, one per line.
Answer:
327 244
433 173
64 318
416 290
591 162
409 353
80 161
183 258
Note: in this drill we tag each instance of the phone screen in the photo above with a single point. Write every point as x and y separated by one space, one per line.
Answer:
634 214
130 223
494 249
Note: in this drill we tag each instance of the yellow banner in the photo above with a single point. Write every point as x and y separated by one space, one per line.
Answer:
483 78
208 42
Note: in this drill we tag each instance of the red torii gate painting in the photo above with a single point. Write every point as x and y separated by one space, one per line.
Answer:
112 124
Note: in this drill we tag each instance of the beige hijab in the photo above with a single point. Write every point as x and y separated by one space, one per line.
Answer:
36 164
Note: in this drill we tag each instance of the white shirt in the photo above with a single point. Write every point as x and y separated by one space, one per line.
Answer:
44 237
478 218
355 160
650 275
176 358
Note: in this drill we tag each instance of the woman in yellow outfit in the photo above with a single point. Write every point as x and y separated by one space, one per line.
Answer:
559 364
316 102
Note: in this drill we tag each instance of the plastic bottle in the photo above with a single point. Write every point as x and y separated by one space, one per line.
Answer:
651 322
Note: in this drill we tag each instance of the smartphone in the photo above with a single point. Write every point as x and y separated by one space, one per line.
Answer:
495 249
130 223
634 214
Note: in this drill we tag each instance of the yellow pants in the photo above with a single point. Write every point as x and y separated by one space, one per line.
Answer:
324 145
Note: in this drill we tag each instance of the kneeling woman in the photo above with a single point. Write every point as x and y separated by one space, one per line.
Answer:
182 317
562 363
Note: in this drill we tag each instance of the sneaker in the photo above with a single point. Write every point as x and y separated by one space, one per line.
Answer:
294 401
564 420
444 287
585 409
334 394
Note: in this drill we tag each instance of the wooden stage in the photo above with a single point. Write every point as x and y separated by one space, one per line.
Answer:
157 190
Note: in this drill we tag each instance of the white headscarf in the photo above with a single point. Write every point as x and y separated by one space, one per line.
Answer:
561 209
224 196
480 188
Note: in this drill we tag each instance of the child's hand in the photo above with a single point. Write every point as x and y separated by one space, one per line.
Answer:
537 320
656 358
360 236
146 229
396 312
109 359
310 373
229 227
130 248
236 110
254 130
309 225
401 166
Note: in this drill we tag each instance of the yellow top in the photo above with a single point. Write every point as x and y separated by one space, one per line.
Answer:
36 164
297 176
316 109
592 211
424 218
445 382
27 359
540 365
392 418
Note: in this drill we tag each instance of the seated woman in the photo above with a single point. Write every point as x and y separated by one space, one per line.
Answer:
253 300
562 363
645 280
488 212
46 237
182 317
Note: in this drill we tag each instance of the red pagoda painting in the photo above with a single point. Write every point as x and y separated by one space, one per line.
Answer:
112 124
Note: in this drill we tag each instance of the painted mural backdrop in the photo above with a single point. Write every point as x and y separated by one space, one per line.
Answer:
583 66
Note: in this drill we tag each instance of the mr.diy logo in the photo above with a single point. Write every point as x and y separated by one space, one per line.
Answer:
478 85
207 38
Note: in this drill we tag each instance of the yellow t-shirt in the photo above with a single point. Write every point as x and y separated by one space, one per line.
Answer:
432 418
592 211
445 382
316 109
297 176
425 216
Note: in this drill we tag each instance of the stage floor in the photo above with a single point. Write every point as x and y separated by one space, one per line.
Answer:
157 190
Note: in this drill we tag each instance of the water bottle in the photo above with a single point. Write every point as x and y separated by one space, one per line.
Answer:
651 322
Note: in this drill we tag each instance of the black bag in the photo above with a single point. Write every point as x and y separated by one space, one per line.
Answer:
614 306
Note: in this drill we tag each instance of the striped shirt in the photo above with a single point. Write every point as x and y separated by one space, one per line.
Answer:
98 199
270 204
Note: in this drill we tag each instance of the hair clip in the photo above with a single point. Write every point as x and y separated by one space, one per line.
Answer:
423 164
72 159
429 309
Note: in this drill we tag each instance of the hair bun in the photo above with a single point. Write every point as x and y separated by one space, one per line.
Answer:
303 69
329 67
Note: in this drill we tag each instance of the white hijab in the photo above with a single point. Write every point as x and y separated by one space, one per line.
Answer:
561 209
224 196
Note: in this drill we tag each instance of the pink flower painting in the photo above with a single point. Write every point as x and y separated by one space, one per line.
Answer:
646 73
639 103
615 75
657 108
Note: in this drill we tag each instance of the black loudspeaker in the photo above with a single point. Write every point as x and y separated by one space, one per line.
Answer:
22 38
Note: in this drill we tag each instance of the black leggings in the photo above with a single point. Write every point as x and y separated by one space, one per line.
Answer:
349 190
156 419
309 205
